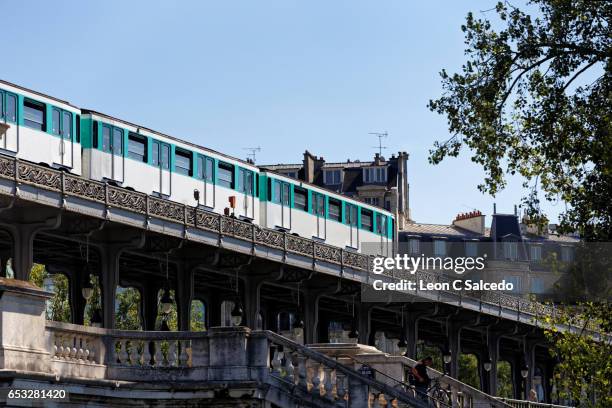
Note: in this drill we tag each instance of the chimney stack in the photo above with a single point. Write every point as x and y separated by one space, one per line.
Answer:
473 221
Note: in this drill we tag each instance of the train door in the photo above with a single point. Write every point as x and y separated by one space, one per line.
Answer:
206 167
112 162
161 160
351 218
318 209
246 187
8 116
282 197
62 127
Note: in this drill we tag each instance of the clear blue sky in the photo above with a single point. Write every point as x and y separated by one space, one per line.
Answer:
284 75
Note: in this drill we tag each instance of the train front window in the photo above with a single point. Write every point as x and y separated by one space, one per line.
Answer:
34 115
11 108
226 175
182 163
335 210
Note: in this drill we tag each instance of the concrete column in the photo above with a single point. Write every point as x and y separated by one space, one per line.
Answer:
184 296
109 279
77 301
309 309
489 379
213 303
23 243
359 394
529 357
453 345
411 333
150 291
252 289
364 322
517 380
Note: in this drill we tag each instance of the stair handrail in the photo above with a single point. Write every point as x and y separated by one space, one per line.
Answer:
348 372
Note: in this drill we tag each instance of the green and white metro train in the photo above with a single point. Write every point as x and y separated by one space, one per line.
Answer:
48 131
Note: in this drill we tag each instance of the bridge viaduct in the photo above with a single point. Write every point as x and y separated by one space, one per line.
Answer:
134 240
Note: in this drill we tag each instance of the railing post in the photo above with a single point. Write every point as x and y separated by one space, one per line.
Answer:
358 393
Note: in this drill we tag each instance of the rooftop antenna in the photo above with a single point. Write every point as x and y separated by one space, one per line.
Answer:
380 136
253 151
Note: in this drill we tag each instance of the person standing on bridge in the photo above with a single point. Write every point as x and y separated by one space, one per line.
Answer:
420 376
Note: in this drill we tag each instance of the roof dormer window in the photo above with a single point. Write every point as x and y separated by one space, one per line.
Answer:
375 175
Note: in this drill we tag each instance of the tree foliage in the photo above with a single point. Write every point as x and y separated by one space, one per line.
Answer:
58 307
584 368
534 99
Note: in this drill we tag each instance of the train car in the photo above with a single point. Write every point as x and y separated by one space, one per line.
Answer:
144 160
314 212
39 128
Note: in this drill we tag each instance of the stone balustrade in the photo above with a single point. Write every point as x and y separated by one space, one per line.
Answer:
224 357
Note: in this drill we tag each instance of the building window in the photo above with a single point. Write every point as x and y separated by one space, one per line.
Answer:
366 220
225 175
34 115
205 168
335 210
511 250
535 252
537 286
137 147
414 246
515 281
332 177
8 106
567 254
318 204
375 175
439 247
292 174
471 249
300 198
246 179
372 200
388 205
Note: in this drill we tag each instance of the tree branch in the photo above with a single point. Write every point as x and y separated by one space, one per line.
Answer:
579 73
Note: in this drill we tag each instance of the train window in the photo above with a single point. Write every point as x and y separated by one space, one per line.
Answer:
34 115
55 121
1 104
286 194
300 198
165 156
95 134
11 107
106 139
137 147
117 141
351 214
246 178
366 220
182 163
381 224
67 126
277 192
78 129
318 204
335 209
226 175
205 168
